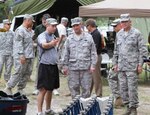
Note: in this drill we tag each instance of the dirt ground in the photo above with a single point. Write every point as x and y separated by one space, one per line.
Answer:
61 101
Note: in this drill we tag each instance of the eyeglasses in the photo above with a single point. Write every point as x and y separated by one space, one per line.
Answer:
9 24
115 26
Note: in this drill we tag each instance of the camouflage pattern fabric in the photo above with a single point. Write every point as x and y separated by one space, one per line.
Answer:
129 51
23 46
129 93
21 74
6 50
79 55
77 79
113 82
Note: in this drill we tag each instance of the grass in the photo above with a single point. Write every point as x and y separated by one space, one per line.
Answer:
61 101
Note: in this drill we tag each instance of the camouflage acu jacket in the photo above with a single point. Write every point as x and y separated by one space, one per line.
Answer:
6 43
79 54
129 50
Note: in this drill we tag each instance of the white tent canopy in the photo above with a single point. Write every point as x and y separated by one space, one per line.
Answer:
113 8
139 9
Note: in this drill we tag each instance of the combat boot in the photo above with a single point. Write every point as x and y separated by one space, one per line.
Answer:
118 103
133 111
127 111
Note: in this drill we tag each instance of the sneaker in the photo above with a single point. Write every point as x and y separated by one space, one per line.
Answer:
50 112
8 91
40 113
36 92
55 92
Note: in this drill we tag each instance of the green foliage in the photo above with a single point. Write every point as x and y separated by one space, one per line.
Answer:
100 21
4 9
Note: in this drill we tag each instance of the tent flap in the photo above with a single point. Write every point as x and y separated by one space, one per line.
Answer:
114 8
139 9
87 2
34 7
109 12
143 25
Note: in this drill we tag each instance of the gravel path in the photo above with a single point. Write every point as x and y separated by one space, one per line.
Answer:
61 101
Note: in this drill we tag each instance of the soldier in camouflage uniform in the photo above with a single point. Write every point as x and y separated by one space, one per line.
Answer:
23 55
113 76
6 49
128 60
79 60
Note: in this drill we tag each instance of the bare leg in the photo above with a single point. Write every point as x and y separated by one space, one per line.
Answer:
40 99
48 98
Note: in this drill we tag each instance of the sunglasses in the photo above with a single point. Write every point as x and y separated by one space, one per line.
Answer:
124 21
9 24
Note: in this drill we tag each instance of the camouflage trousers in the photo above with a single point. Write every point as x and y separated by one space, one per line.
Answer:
60 55
6 60
80 79
129 88
21 74
113 82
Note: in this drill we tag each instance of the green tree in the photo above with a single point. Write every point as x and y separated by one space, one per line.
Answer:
5 9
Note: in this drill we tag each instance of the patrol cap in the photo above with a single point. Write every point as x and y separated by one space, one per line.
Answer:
46 16
6 21
116 22
64 19
51 21
80 18
28 16
125 17
75 21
